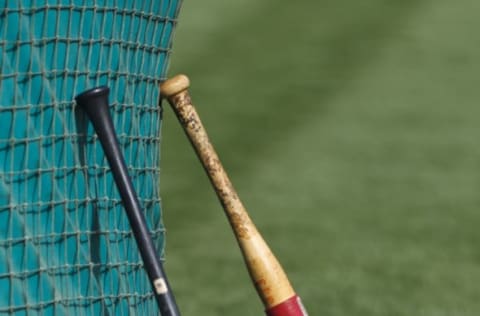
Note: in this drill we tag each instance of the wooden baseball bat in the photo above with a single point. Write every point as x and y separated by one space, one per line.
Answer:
270 280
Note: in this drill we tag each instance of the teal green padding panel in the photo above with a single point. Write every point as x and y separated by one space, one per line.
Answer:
66 247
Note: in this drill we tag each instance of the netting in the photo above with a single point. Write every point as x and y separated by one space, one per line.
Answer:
66 247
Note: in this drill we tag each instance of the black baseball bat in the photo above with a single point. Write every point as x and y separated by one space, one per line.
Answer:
95 104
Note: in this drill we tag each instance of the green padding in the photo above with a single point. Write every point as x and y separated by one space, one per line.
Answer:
66 247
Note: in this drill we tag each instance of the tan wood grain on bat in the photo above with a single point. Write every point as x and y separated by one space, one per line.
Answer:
266 272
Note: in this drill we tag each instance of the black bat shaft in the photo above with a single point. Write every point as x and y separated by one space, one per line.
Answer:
99 114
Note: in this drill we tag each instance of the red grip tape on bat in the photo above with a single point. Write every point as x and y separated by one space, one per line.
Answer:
291 307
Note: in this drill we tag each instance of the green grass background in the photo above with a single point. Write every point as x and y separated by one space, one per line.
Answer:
350 129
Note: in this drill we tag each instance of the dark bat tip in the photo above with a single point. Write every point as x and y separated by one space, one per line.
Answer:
91 94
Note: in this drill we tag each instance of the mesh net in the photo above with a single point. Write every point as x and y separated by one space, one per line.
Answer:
66 247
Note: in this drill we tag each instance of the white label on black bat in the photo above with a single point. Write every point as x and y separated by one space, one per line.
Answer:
160 286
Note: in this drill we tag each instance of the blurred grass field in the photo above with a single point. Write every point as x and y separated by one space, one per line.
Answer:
350 130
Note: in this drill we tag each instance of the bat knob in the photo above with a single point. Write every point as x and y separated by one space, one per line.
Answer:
174 85
94 101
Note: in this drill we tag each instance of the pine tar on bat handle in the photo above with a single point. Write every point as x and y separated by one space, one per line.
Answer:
95 104
267 274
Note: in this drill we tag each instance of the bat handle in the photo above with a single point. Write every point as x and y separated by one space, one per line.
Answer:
266 272
95 104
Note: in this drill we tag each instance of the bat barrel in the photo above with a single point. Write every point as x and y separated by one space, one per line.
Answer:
95 104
